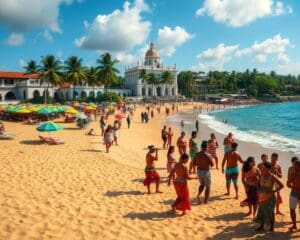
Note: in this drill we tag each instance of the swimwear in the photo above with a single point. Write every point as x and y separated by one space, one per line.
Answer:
182 201
151 176
204 177
227 149
294 200
232 173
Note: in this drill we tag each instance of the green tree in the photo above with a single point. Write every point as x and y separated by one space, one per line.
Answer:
186 82
75 72
152 80
265 85
143 75
107 70
92 78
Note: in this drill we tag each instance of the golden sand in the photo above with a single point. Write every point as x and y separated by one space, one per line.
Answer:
77 191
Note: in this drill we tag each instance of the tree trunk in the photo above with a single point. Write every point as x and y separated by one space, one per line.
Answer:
74 87
46 91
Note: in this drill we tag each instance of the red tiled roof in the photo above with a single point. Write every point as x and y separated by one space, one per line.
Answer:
66 85
18 75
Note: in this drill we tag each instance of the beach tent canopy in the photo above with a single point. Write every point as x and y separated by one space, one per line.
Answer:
49 127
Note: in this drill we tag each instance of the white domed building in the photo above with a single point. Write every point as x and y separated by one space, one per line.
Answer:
152 64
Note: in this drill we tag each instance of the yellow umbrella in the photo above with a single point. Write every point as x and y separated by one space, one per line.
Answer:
90 108
24 111
71 111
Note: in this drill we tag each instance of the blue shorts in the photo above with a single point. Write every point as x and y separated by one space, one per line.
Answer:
232 173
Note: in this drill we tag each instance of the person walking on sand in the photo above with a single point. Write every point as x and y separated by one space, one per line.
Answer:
150 172
182 202
276 170
250 179
264 158
108 137
182 124
182 144
171 159
228 142
213 145
231 160
294 183
164 136
269 185
197 125
116 128
204 161
193 145
128 120
170 137
102 125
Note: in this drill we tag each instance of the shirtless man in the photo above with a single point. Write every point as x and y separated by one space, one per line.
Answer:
228 142
294 183
276 170
182 143
264 158
204 161
170 137
231 159
151 174
164 136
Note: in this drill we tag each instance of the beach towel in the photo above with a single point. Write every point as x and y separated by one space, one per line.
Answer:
182 201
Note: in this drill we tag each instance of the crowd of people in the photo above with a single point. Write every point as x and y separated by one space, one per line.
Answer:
262 183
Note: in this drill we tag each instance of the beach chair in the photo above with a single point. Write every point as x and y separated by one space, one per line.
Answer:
43 139
52 141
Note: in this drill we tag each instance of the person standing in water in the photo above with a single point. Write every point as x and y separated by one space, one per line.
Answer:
197 125
269 185
231 160
193 150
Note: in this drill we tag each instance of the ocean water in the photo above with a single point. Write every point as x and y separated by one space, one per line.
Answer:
270 125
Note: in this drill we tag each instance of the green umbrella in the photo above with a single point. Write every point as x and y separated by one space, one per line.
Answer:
49 127
44 111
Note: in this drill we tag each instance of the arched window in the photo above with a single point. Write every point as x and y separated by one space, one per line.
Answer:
56 97
166 91
83 94
143 92
36 94
92 94
173 91
75 94
24 94
158 91
10 96
99 93
150 92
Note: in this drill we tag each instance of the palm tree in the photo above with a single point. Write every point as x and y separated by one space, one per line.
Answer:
92 78
152 80
75 72
143 75
167 78
31 67
107 70
51 72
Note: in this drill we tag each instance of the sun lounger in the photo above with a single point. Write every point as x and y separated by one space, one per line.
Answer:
53 141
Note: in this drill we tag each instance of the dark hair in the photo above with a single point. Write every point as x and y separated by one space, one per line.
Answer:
182 133
294 159
263 155
275 155
268 165
246 164
170 149
212 134
194 133
184 156
204 144
234 145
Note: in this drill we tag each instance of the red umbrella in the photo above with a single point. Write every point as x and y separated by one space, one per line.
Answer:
119 116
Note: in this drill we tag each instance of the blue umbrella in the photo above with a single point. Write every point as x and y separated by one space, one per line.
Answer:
49 127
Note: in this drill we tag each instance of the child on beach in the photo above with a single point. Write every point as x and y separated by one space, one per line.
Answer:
276 170
151 174
264 158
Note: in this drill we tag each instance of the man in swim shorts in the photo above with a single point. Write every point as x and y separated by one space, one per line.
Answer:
204 161
231 159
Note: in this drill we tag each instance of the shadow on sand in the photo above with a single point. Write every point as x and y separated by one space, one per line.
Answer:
120 193
154 216
32 142
72 128
91 150
245 230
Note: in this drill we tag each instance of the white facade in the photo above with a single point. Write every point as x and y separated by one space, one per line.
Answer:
152 64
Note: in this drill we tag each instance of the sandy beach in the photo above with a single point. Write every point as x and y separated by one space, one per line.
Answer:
77 191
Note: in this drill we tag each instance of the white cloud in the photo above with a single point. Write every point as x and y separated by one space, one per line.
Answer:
119 31
215 58
133 58
282 59
291 68
169 39
22 63
15 39
261 50
47 35
237 13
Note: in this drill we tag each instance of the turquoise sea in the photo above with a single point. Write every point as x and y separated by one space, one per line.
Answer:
271 125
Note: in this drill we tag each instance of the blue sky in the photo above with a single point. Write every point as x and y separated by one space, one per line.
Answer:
195 34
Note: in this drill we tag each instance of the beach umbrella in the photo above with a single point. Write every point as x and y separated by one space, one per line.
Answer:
80 116
49 127
23 111
90 108
44 111
71 111
119 116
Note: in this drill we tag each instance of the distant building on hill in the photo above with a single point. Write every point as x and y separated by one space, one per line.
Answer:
152 64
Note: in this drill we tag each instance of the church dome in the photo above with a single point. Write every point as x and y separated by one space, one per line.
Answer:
152 52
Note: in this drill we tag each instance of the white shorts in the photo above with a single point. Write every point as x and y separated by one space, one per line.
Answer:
294 200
